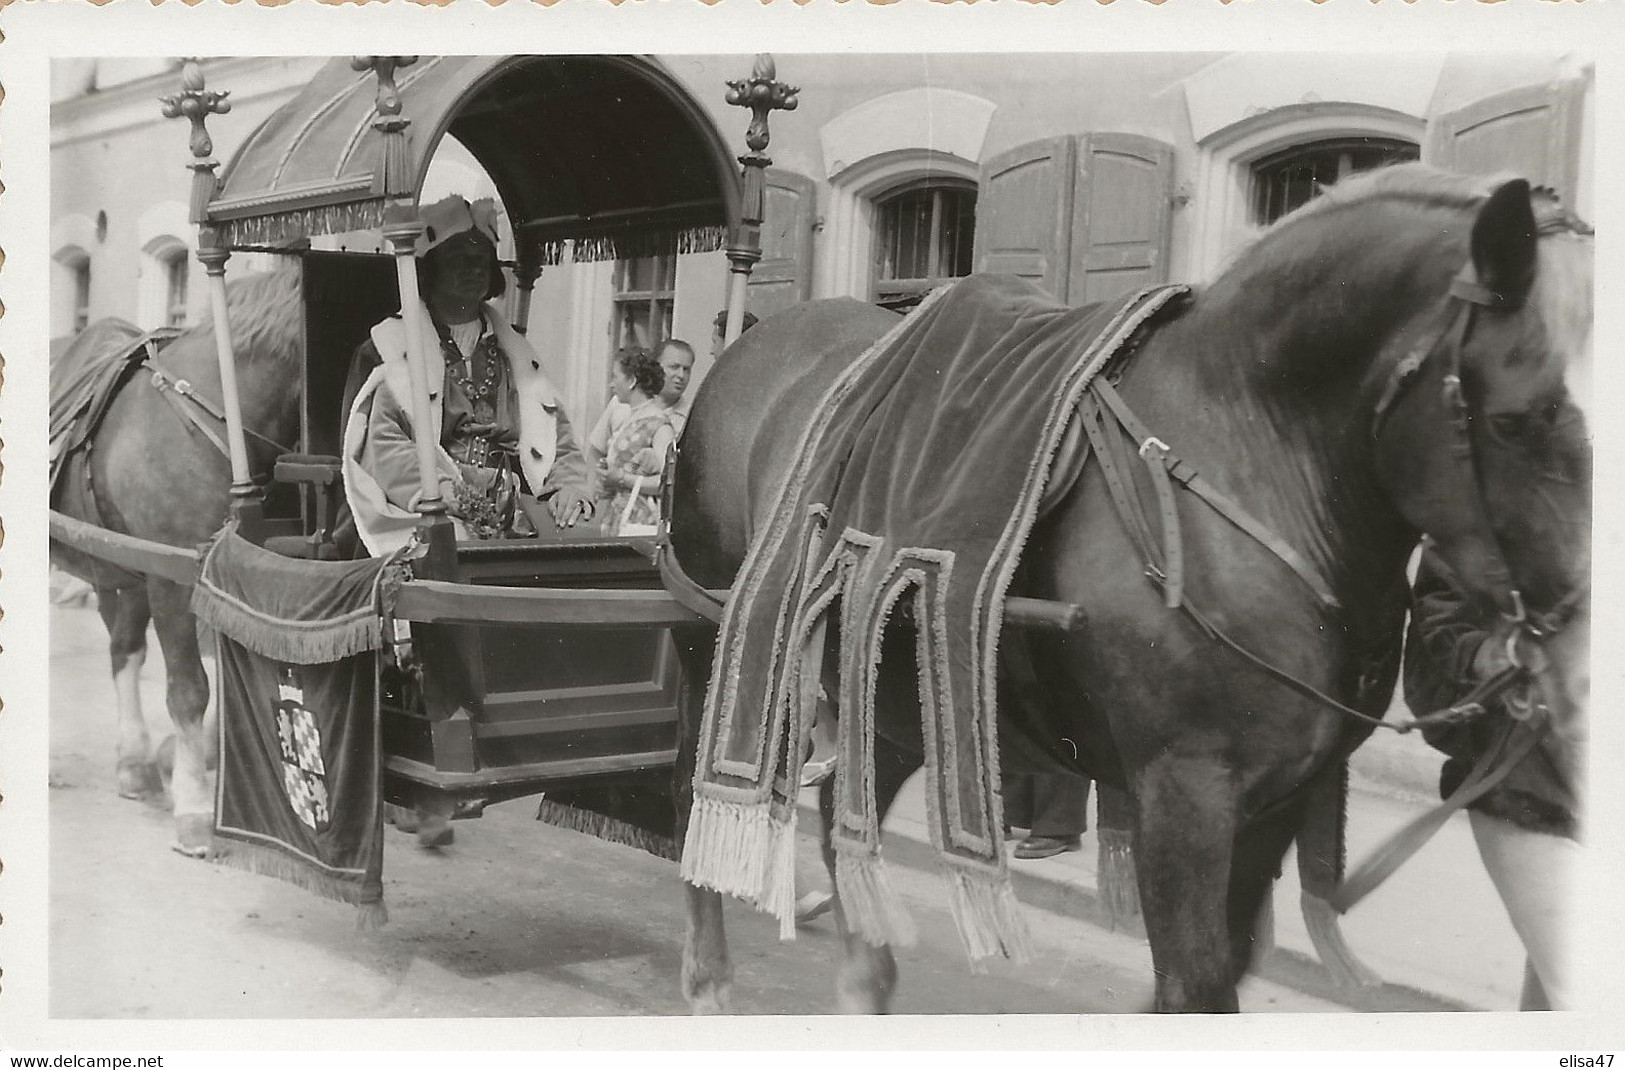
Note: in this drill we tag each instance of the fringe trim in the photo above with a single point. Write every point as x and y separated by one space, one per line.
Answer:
743 850
872 907
632 244
292 226
1326 934
319 643
613 830
1115 878
268 862
987 914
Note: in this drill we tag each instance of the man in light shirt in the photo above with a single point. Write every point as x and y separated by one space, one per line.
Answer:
677 362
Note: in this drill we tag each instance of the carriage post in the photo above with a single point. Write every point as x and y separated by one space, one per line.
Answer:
763 94
402 228
526 270
195 103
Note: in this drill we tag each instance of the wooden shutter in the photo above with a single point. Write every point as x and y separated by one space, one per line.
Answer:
783 277
1533 132
1120 216
1024 213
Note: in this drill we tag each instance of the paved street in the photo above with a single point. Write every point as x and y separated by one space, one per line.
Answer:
516 919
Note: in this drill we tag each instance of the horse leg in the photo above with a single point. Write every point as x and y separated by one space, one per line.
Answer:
126 615
1255 865
1187 827
707 975
188 697
867 977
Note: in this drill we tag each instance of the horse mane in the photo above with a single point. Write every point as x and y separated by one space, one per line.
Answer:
266 312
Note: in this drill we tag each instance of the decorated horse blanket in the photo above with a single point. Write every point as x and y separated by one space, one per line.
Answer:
299 785
916 482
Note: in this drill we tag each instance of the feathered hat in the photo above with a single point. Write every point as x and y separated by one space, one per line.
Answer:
454 215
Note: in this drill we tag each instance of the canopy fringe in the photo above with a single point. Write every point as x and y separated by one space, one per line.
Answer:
301 223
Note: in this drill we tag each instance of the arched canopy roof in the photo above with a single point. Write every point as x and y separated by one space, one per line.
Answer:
607 151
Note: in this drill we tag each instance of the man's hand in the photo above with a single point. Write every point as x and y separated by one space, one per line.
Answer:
569 507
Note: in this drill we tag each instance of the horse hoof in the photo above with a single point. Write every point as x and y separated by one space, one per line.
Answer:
712 999
433 835
138 781
402 818
194 833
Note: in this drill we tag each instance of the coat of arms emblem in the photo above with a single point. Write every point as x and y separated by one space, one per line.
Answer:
304 778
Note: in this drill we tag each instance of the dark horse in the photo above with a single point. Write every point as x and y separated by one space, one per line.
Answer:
158 477
1282 384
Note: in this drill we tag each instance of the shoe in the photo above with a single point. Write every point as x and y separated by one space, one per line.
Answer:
815 773
813 906
1048 846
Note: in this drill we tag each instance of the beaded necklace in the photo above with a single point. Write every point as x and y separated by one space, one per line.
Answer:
462 368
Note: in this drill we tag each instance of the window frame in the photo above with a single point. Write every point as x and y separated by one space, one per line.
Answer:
908 290
658 302
177 265
1397 149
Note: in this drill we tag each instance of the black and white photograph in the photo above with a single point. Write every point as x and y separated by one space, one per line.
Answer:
1032 526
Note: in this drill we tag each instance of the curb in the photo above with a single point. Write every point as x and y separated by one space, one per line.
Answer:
1283 966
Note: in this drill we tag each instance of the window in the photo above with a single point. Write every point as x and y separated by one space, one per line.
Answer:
1290 179
80 268
644 292
177 267
923 233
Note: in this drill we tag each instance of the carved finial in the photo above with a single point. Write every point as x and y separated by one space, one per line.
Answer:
762 93
196 104
389 95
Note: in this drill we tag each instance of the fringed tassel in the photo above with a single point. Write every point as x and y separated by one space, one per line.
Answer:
285 227
988 916
295 642
733 847
637 244
1326 934
1117 884
778 896
610 829
872 907
269 862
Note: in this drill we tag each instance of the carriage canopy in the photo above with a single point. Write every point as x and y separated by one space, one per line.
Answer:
608 152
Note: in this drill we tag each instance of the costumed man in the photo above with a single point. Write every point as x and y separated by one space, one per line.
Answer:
1527 826
506 455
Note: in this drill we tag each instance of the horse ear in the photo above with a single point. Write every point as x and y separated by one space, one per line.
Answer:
1504 242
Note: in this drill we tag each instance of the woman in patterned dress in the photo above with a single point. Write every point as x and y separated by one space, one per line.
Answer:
639 446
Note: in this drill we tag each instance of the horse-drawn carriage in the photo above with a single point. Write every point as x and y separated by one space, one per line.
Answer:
561 665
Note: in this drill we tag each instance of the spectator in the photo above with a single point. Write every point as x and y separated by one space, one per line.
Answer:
630 496
719 327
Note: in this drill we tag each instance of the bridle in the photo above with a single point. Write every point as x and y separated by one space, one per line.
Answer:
1445 342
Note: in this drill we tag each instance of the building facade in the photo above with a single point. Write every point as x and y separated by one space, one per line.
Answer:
1089 174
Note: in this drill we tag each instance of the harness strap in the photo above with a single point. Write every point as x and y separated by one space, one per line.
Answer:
1154 452
1492 767
1127 503
1214 498
185 399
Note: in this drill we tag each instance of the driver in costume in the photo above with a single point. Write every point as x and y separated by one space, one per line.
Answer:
507 456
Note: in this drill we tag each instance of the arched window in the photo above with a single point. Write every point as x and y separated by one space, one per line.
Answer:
923 232
1288 179
177 270
74 277
165 276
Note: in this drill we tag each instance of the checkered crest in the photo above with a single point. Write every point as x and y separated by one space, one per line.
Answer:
303 774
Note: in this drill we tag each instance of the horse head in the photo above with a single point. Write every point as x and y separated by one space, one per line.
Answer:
1482 444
